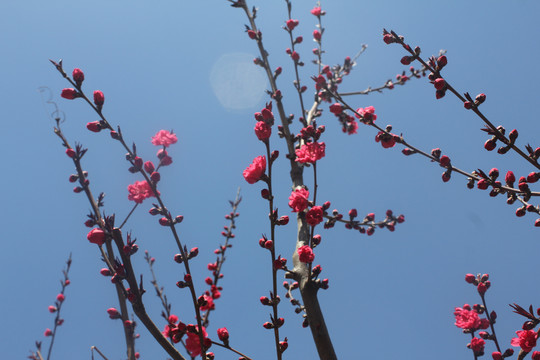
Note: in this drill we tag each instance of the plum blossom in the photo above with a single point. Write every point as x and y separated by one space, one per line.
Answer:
526 339
310 152
298 200
193 343
255 171
477 345
262 130
315 215
305 254
466 318
139 191
165 138
367 114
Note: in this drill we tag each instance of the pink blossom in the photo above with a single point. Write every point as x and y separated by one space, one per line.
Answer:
305 253
209 303
139 191
351 127
336 109
477 345
310 152
165 138
193 343
315 215
466 318
367 115
255 171
298 200
291 24
316 11
60 297
48 332
386 140
262 130
526 339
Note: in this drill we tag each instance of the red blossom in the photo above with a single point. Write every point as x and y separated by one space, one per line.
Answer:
316 11
298 201
386 140
291 24
336 109
193 343
351 127
165 138
466 318
305 254
262 130
315 215
310 152
209 303
526 339
477 345
317 35
367 114
139 191
255 171
48 332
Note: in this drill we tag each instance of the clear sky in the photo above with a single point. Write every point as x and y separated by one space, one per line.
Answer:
160 66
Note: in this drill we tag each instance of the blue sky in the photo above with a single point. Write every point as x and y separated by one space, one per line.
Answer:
392 294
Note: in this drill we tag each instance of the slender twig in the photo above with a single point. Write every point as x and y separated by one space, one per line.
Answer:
94 348
474 107
59 304
128 215
232 349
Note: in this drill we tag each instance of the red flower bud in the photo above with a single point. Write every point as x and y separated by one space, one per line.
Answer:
223 334
70 153
99 98
96 236
94 126
70 93
482 288
490 144
439 83
78 76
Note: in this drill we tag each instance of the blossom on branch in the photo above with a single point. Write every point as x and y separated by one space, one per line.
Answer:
526 339
193 343
255 171
466 318
315 215
477 345
165 138
139 191
262 130
367 115
310 152
305 254
298 201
